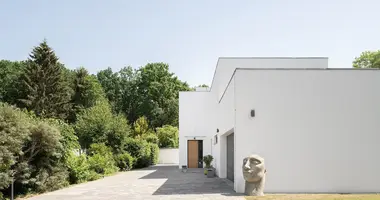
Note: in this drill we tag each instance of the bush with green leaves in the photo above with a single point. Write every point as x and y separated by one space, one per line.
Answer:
140 150
98 125
168 136
101 159
31 151
124 161
151 138
79 168
154 151
14 132
69 139
42 165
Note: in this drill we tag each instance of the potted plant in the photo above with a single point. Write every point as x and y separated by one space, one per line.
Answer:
184 168
208 168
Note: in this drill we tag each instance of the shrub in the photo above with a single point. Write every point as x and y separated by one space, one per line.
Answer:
168 136
98 125
51 179
141 127
93 176
207 160
118 131
14 129
154 151
124 161
140 150
151 138
101 159
79 169
69 140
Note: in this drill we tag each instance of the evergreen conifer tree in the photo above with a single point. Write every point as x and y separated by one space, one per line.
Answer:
45 90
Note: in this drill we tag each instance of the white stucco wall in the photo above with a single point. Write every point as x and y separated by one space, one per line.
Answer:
318 130
196 120
226 66
168 156
225 122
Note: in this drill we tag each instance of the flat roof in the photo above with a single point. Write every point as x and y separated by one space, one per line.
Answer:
248 57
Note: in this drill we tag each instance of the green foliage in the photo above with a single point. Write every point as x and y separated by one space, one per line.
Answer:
93 124
45 90
14 132
119 130
151 138
150 91
10 72
50 179
367 59
33 150
101 160
41 164
141 127
124 161
65 110
110 82
69 139
79 168
154 152
168 136
140 150
98 125
203 85
87 92
158 89
207 160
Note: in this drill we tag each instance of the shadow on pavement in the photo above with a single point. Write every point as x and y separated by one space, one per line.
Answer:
191 182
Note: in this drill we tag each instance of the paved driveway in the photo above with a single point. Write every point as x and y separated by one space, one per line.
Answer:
157 182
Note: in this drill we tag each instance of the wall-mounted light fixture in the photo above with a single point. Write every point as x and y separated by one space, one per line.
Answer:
252 113
217 130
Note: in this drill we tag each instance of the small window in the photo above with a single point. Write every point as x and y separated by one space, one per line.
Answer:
216 139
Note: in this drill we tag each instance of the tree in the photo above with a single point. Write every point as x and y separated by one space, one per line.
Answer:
46 91
168 136
87 92
141 127
203 85
10 72
98 125
159 91
110 82
151 91
14 132
367 59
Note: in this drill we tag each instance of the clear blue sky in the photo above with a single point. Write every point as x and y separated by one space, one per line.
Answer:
189 35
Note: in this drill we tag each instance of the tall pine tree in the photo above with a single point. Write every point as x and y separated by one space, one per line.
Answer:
87 92
45 90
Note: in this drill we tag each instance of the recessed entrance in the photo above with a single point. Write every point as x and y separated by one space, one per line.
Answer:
194 153
230 157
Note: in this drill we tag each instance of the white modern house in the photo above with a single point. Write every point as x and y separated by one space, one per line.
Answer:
317 128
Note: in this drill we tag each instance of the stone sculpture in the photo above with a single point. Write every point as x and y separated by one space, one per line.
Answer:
254 175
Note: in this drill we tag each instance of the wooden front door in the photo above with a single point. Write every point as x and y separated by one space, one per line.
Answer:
192 153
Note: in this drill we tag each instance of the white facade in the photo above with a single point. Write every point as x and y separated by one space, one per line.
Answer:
318 129
168 156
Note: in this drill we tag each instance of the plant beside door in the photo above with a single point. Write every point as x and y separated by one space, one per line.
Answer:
209 170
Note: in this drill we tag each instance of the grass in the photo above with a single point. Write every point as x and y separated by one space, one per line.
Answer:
317 197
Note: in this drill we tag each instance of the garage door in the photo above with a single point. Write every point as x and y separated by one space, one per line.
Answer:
230 157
